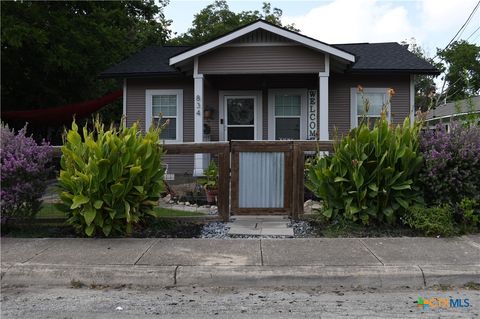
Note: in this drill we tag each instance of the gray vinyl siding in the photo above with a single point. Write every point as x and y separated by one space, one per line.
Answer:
177 164
261 60
339 98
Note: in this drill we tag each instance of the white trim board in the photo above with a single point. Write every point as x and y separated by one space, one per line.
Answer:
353 103
258 120
148 111
317 45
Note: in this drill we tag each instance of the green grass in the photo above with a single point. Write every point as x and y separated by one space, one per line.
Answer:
166 212
50 211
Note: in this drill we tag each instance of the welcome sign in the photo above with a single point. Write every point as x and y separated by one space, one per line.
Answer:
312 121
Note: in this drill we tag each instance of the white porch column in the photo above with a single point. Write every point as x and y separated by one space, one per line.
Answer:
323 100
198 117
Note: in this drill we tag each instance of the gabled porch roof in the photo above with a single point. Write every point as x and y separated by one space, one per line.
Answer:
263 25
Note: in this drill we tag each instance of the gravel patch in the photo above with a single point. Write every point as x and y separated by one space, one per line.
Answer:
215 230
301 228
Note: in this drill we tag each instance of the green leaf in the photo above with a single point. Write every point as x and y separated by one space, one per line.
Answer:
339 179
89 230
328 213
89 215
79 200
107 229
98 204
402 202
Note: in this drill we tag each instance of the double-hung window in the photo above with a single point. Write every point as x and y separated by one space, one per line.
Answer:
368 104
163 106
287 115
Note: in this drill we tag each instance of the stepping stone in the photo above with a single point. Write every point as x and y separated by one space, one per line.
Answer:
260 225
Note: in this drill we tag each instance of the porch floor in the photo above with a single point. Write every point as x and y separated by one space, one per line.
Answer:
260 226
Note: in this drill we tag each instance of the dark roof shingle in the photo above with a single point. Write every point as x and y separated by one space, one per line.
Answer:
369 57
388 56
152 60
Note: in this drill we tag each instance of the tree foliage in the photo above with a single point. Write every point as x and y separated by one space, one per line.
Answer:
463 69
217 19
425 87
52 52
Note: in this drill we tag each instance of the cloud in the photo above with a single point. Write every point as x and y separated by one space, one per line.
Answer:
432 22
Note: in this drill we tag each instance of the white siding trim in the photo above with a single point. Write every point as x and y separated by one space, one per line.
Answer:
258 112
323 120
412 99
148 111
265 26
353 103
303 111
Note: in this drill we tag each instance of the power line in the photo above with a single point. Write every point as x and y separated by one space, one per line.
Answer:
472 33
461 28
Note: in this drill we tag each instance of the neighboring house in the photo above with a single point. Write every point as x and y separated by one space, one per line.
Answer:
263 82
457 110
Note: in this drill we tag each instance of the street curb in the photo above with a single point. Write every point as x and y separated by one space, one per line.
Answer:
110 275
338 277
451 275
302 276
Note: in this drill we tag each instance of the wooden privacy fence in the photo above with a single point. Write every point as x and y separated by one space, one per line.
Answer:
258 177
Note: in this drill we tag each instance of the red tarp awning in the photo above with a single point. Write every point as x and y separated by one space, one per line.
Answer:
62 114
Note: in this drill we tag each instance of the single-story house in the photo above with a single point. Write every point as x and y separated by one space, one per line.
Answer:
263 82
447 112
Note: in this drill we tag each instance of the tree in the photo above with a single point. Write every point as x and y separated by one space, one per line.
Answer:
463 69
216 19
52 52
425 87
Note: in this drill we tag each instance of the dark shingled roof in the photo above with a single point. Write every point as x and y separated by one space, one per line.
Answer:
389 56
149 61
369 57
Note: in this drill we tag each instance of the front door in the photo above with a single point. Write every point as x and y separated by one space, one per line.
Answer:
240 117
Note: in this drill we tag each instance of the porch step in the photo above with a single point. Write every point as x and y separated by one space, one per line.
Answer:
260 226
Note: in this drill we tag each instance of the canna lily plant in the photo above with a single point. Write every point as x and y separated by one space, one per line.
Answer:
371 177
111 178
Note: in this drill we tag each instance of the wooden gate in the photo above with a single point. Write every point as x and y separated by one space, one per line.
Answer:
261 177
258 177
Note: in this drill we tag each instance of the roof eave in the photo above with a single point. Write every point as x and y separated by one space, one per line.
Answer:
267 27
405 71
138 74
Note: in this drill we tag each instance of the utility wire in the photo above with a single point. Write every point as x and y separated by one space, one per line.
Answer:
476 30
449 43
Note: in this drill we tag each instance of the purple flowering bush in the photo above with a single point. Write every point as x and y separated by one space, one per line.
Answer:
25 166
452 163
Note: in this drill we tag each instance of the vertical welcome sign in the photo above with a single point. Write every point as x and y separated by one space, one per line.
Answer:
312 120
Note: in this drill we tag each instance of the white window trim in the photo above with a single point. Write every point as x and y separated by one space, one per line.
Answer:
148 111
353 103
222 127
303 111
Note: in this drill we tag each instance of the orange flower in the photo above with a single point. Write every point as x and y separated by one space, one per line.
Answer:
391 92
359 88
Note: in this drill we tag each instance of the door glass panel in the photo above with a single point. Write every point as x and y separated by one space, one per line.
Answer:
241 133
240 111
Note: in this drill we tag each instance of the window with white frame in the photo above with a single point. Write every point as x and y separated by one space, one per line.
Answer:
368 104
287 118
163 106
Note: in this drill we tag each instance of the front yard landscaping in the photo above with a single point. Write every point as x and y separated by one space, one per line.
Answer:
381 180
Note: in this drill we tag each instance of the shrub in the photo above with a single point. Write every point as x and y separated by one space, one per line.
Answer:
371 175
452 163
110 179
467 214
432 221
25 166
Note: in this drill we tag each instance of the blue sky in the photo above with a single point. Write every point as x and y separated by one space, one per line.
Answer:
431 22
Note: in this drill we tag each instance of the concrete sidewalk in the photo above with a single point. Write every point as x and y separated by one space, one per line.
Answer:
325 262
